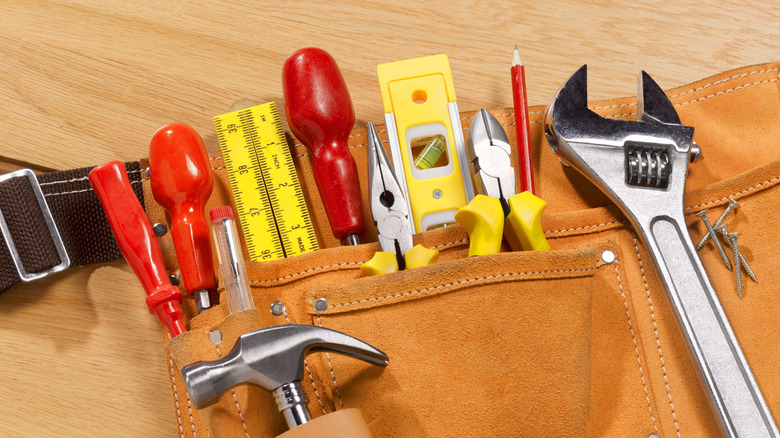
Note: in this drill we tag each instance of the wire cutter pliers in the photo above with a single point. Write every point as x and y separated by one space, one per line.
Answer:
498 209
391 217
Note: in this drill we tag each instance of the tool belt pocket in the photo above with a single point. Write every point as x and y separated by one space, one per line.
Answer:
211 336
481 346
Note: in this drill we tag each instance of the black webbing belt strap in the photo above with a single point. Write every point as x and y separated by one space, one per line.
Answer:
81 224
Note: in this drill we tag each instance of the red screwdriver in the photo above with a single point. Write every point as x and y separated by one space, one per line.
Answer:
181 180
136 240
320 113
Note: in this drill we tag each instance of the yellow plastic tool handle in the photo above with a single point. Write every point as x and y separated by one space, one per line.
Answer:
483 219
523 228
386 263
381 263
420 256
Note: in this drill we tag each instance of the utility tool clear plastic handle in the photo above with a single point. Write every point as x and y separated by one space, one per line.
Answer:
231 260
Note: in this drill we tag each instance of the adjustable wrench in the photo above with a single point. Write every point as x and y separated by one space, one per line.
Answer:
642 167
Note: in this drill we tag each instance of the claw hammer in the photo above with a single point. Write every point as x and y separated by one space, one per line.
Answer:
272 358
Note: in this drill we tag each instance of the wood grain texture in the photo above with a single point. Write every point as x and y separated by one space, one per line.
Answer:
86 81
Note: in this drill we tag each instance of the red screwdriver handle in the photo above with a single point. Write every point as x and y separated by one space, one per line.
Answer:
181 179
320 114
133 233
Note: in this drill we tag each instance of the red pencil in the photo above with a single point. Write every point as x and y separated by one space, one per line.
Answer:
522 128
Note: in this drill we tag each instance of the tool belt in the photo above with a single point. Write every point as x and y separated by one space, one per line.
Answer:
577 341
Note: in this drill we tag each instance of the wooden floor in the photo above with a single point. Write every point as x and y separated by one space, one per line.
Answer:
87 81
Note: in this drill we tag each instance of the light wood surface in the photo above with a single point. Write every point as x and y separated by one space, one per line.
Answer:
87 81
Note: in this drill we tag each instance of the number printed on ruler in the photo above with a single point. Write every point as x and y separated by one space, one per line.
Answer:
271 207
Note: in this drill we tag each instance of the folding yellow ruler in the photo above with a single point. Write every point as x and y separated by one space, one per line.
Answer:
269 201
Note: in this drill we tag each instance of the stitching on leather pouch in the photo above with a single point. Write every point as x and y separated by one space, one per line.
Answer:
769 181
636 348
690 91
453 243
723 80
458 283
657 337
332 370
286 277
704 98
349 147
728 91
176 398
583 227
314 386
308 371
240 415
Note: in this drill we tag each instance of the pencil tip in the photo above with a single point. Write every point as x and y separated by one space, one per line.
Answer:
516 58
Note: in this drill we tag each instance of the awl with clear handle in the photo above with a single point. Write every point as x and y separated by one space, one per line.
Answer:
641 165
231 259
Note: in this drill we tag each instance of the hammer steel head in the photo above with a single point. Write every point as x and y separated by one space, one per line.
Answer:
270 357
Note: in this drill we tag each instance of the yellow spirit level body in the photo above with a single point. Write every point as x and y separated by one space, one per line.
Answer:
420 109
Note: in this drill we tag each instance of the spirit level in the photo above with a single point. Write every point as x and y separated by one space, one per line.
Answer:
426 139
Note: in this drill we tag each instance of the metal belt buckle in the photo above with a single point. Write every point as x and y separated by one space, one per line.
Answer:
55 234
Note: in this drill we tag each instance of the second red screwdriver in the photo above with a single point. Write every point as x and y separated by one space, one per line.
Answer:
320 113
181 181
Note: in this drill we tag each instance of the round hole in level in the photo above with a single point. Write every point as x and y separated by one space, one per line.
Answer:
419 97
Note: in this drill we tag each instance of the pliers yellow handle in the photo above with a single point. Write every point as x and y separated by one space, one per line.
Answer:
499 211
386 262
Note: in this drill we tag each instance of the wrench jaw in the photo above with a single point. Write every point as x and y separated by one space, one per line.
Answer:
652 104
641 165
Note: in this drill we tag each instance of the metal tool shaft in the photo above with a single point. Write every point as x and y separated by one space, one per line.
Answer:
725 372
291 402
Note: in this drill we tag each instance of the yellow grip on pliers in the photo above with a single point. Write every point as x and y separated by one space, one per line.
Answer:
523 228
381 263
386 263
483 219
420 256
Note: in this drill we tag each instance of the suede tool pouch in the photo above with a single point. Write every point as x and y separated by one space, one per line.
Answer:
577 341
